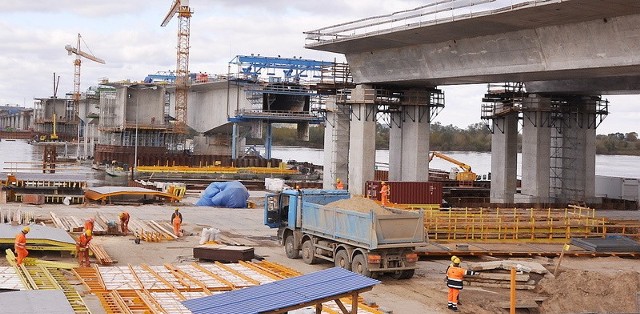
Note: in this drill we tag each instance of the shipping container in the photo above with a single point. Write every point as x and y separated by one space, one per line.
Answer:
403 192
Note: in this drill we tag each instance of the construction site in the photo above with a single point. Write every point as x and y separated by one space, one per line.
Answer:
341 237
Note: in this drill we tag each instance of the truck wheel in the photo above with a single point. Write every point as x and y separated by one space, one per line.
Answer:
289 248
307 253
342 260
359 265
404 274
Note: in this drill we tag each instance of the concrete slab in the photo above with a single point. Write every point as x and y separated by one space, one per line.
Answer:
35 302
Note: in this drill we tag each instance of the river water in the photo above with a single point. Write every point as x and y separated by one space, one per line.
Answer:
18 155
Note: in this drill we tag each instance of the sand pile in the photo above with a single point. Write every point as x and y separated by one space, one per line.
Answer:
361 204
579 291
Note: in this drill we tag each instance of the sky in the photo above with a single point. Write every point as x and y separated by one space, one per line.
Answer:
128 36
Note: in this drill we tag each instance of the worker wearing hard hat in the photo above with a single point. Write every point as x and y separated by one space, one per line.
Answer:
455 277
20 245
82 248
385 191
88 224
124 222
176 220
339 184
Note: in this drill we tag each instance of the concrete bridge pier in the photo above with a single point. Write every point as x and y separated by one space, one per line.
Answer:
336 145
362 140
536 149
409 144
573 150
504 150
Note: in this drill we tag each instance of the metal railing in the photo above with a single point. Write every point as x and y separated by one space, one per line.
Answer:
434 13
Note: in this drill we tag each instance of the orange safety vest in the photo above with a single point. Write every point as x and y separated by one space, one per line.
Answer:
83 241
21 241
455 275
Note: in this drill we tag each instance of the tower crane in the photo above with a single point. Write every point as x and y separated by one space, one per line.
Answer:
76 74
181 7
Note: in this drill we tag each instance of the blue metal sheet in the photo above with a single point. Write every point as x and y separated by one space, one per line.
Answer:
281 294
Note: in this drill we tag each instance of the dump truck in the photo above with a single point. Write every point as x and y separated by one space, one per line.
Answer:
364 241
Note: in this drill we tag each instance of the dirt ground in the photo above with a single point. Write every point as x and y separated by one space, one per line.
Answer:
583 285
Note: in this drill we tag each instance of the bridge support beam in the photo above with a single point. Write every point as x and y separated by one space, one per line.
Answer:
336 146
409 144
362 140
536 150
504 166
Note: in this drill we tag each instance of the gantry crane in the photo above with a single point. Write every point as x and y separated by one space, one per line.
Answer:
181 7
76 75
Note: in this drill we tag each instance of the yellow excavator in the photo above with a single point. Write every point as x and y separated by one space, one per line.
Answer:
466 175
53 136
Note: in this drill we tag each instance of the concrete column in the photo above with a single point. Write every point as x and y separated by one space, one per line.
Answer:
336 146
409 145
504 157
362 142
573 164
536 150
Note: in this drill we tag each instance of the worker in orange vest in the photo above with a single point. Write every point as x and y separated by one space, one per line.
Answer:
176 220
455 277
82 248
339 184
385 191
124 222
20 245
88 224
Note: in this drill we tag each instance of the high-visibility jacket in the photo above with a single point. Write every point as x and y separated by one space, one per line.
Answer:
455 275
21 241
176 214
83 241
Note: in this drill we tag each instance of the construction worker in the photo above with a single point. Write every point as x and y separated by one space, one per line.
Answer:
176 220
455 277
124 222
339 185
88 224
82 248
385 191
20 245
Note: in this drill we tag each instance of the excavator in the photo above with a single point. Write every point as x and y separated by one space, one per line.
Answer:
466 175
53 136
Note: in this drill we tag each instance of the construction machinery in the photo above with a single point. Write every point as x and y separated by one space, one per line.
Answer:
76 75
466 175
366 241
181 7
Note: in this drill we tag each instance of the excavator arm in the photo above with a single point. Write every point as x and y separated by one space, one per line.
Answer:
465 175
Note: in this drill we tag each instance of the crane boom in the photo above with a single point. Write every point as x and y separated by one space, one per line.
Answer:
172 11
82 53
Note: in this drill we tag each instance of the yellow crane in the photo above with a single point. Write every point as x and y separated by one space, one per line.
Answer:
76 75
181 7
466 175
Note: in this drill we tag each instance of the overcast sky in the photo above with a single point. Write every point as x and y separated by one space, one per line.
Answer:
128 36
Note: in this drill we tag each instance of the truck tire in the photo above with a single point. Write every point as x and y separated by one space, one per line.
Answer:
307 253
289 248
359 265
342 260
404 274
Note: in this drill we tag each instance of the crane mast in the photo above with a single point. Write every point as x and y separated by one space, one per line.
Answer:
76 73
181 8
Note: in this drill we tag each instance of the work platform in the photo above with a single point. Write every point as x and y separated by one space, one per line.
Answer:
40 238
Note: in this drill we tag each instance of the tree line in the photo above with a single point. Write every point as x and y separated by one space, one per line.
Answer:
475 137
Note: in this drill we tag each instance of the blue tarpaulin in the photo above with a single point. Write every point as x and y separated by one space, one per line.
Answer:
231 194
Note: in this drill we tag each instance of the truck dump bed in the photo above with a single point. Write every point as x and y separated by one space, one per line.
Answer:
359 228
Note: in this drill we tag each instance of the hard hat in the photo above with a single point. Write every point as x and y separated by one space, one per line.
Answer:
382 182
26 229
121 215
453 258
456 260
88 232
338 179
177 209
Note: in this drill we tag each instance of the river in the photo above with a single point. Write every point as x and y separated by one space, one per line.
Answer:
19 154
